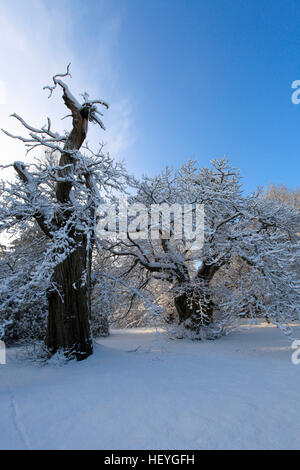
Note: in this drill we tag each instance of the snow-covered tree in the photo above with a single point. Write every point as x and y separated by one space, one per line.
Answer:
62 198
253 229
23 312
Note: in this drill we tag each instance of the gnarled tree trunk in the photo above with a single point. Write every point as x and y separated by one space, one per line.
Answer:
69 304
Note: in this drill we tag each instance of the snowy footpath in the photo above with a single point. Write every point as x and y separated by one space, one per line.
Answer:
141 390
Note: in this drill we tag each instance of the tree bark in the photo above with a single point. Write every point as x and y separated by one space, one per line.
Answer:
68 315
194 312
69 300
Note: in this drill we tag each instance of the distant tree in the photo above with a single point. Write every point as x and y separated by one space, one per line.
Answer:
62 199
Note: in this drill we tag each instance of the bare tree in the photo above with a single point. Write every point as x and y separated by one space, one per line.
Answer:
62 198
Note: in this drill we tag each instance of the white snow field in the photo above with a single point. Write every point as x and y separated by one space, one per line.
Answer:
141 390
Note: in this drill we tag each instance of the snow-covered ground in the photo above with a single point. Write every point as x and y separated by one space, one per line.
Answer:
142 391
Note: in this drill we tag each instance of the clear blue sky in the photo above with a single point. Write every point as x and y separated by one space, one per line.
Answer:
203 78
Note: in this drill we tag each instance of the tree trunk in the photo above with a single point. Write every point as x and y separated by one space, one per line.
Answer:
194 311
68 316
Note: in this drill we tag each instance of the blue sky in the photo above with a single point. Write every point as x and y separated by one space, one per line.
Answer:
184 77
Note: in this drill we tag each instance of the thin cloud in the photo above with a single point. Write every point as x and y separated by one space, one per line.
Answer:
37 42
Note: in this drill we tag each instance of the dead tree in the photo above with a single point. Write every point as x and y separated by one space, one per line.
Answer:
62 198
